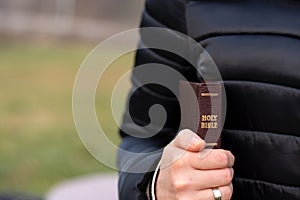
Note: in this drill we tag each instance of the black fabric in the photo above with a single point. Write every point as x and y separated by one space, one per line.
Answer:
256 45
261 58
210 18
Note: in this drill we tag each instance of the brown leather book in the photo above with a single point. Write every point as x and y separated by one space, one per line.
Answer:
207 120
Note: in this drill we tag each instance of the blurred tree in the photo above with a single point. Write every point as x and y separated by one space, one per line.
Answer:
97 9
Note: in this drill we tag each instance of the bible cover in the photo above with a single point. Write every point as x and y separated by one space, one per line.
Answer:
207 120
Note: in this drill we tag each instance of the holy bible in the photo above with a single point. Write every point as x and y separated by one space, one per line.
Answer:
201 110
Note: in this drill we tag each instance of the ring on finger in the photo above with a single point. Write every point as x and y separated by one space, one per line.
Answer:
217 193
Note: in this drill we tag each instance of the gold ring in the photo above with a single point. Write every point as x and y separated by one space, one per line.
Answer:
217 193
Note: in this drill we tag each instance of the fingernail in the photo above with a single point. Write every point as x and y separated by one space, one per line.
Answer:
196 142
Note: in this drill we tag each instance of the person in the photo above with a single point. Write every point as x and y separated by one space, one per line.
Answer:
255 45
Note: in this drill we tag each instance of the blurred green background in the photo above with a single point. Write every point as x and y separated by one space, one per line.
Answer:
39 145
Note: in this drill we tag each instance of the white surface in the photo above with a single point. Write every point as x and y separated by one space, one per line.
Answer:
91 187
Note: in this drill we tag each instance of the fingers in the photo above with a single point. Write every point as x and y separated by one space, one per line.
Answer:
207 194
211 178
226 192
188 171
201 179
188 140
214 159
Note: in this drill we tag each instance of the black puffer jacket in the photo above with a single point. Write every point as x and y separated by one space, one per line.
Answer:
256 46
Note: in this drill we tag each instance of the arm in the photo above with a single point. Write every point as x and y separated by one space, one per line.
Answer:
133 185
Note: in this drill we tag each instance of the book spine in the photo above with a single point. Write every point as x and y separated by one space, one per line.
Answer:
206 121
210 105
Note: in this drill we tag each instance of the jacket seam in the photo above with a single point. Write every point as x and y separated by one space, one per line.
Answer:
261 132
263 83
207 36
265 182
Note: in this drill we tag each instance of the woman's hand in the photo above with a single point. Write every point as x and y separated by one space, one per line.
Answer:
184 174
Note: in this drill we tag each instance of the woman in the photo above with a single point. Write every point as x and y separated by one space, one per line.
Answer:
255 44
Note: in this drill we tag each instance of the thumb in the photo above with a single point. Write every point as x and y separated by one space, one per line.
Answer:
188 140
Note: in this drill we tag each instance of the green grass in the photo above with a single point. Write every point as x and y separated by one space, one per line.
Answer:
39 145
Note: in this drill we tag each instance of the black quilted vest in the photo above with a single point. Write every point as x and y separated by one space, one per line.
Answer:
256 46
